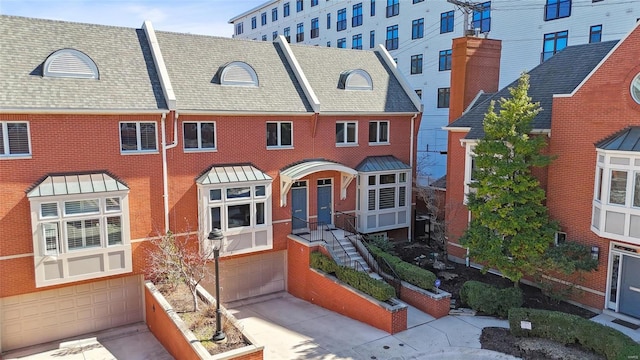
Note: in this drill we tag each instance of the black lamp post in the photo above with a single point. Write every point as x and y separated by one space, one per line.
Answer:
216 241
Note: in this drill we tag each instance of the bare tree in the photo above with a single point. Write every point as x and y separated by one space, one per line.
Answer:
176 259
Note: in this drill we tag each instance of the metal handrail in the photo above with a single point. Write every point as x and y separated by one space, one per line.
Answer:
346 222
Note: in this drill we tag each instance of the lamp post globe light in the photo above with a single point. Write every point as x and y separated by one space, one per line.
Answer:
215 236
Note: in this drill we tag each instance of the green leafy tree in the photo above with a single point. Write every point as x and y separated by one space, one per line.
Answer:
510 228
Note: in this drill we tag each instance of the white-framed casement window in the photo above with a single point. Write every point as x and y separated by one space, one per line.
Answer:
469 168
138 137
241 209
280 134
14 139
385 200
77 235
378 132
199 136
346 133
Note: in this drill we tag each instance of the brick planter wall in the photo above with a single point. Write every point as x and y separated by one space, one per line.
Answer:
436 305
330 293
173 334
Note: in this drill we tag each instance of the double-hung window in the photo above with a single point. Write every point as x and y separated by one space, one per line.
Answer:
446 22
444 60
356 42
263 19
138 137
328 20
346 133
287 34
373 8
14 139
299 5
417 28
274 14
378 132
595 34
392 37
482 17
315 28
199 136
557 9
300 32
342 43
341 24
393 8
280 134
239 28
372 39
356 20
254 22
554 42
443 97
416 64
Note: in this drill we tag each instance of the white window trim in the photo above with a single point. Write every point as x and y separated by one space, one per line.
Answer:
279 146
5 141
199 130
345 123
378 142
604 161
138 139
468 167
206 204
363 192
63 256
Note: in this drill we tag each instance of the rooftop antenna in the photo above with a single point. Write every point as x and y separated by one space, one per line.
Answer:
467 8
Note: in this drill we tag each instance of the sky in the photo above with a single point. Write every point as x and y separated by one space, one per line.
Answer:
206 17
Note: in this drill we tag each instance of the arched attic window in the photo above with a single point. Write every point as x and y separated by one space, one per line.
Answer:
70 63
237 73
357 79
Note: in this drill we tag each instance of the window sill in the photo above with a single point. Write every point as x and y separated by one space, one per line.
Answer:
379 143
15 157
279 147
187 151
131 152
347 145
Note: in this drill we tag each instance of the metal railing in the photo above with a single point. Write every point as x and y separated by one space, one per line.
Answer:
346 222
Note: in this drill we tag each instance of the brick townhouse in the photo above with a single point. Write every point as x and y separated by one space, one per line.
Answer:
111 136
590 96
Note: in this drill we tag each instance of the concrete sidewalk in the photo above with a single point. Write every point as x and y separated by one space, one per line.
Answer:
291 328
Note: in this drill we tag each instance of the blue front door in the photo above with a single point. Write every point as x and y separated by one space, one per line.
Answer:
630 286
299 205
324 201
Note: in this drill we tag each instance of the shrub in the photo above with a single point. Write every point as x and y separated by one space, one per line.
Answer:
489 299
410 273
570 329
378 289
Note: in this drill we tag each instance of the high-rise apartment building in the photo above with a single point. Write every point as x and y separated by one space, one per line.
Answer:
419 34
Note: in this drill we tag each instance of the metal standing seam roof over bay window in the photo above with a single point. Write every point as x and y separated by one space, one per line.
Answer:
70 184
381 163
627 139
298 171
231 174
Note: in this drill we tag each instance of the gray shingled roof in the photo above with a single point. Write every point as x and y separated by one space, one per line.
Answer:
559 75
127 81
323 67
381 163
193 60
628 139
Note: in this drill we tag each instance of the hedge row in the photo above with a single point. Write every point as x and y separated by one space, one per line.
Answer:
378 289
410 273
570 329
489 299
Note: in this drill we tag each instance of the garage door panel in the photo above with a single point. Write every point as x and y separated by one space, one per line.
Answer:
49 315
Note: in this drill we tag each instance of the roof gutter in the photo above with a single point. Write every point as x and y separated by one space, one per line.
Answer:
81 111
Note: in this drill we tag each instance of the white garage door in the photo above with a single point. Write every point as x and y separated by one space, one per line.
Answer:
49 315
250 276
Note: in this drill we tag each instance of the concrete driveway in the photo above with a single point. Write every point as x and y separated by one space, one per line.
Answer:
131 342
291 328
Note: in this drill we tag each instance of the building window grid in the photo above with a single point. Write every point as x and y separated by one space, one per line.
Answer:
381 192
280 134
373 7
482 18
300 32
356 19
595 34
554 42
239 28
557 9
14 139
199 136
378 132
392 37
138 137
315 28
274 14
342 43
287 34
286 9
254 22
274 35
444 60
263 19
299 5
346 133
443 97
239 206
447 21
393 8
341 23
372 39
356 42
328 20
416 64
417 28
314 3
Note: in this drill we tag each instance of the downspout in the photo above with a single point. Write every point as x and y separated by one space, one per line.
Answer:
165 176
413 124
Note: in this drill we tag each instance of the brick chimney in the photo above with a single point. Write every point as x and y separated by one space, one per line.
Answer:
475 66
